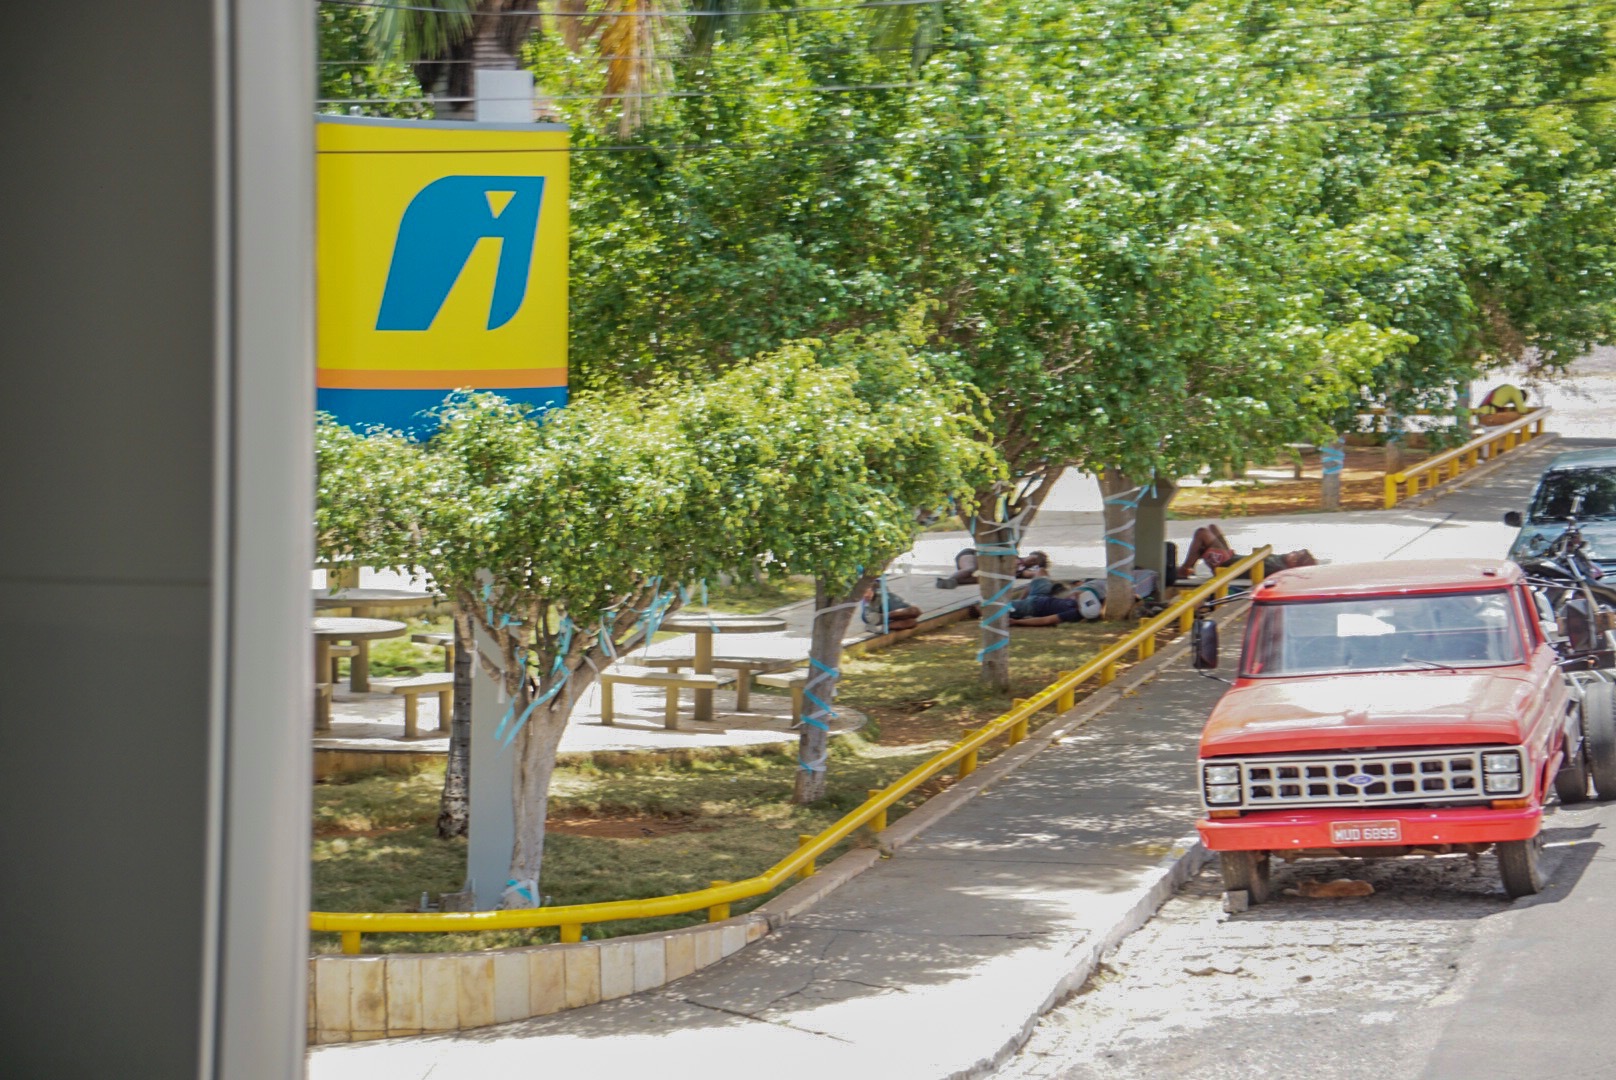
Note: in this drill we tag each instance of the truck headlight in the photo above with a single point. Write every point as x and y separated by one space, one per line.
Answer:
1503 783
1223 793
1501 763
1223 774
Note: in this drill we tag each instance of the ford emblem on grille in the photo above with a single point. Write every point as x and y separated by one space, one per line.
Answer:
1360 780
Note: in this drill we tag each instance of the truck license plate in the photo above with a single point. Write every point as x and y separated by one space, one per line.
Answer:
1346 833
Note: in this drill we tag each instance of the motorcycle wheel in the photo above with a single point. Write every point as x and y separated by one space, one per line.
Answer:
1599 731
1520 864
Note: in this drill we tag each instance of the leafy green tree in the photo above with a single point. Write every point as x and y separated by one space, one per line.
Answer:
825 453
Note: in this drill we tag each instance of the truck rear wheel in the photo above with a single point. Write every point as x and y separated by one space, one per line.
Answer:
1520 864
1245 870
1599 733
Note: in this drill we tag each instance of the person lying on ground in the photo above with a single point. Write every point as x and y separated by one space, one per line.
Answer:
886 611
1210 546
1039 606
965 566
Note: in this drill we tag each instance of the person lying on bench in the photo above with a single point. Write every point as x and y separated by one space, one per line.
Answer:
1210 546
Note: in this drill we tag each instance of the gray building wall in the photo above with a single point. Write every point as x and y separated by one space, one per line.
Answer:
156 320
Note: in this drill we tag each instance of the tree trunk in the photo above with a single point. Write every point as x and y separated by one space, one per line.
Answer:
831 617
1333 458
454 809
996 543
1121 512
535 764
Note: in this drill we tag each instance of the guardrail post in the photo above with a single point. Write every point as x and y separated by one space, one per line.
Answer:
803 840
1108 673
1068 697
967 764
572 932
1186 620
1018 730
878 823
1147 646
1391 490
350 942
718 912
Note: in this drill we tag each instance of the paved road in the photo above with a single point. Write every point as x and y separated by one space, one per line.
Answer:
1436 976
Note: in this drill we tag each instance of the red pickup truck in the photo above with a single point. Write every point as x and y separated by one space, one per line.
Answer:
1403 708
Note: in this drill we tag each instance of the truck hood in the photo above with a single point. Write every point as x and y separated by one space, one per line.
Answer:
1339 712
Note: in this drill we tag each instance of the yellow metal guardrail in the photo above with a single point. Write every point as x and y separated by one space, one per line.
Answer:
1447 465
801 863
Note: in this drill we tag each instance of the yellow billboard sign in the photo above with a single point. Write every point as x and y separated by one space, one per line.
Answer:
442 263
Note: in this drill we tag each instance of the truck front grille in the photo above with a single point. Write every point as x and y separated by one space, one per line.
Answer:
1416 776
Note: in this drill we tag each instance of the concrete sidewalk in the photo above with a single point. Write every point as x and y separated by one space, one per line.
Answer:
936 961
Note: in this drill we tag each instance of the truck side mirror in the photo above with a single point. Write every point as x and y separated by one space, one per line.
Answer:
1204 644
1513 519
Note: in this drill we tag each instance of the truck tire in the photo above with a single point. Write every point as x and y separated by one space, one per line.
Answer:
1599 733
1520 864
1245 870
1571 782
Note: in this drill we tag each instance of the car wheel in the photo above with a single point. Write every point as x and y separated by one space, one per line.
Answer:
1571 782
1520 864
1599 730
1245 870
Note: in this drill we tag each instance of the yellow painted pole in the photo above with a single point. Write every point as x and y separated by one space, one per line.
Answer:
1068 697
803 840
1018 730
1186 620
1391 490
1147 646
967 764
718 912
350 942
1108 673
878 823
572 932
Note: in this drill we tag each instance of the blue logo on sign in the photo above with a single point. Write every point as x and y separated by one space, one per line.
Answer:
1360 780
438 233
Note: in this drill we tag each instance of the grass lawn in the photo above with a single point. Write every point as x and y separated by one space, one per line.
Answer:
1362 488
625 826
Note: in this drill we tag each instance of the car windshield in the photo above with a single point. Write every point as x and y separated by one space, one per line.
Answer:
1453 630
1556 496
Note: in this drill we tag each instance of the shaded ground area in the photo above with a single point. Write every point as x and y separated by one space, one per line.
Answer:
1274 490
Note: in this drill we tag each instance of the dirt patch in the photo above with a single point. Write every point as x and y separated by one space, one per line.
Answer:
1362 488
624 825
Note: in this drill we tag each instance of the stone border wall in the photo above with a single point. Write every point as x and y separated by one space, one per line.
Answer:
358 998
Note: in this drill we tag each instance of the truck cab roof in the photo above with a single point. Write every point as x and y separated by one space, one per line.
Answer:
1413 576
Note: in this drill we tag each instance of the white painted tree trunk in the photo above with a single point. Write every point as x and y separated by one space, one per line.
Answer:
1121 514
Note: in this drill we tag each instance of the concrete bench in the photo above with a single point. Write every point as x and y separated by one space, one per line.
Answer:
412 689
322 706
795 681
441 640
672 681
746 668
339 652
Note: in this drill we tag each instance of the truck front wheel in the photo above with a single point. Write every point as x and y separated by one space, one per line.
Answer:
1520 864
1247 870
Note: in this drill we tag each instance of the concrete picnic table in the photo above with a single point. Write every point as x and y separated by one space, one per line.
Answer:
704 627
365 601
359 631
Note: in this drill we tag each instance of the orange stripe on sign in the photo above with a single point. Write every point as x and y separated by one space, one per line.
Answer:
453 379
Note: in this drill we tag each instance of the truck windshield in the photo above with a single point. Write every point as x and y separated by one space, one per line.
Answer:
1454 630
1556 496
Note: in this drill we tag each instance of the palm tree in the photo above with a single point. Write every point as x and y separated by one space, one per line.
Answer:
446 46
